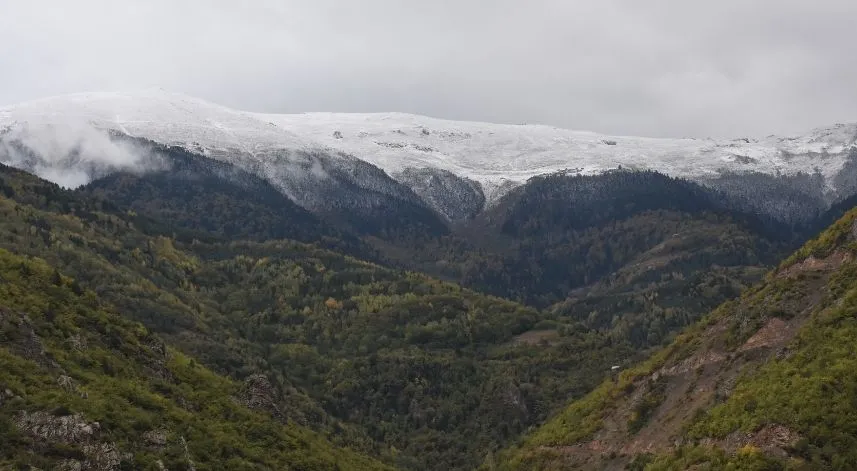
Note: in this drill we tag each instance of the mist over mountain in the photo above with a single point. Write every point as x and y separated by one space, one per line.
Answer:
389 290
307 155
393 235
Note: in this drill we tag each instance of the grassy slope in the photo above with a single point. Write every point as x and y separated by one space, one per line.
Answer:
764 382
66 355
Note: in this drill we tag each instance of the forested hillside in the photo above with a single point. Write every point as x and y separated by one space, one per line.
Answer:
193 193
548 242
428 236
766 381
397 364
563 232
418 372
81 387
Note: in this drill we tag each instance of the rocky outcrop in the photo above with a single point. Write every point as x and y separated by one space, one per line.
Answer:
830 263
5 395
103 456
68 429
70 386
259 394
773 439
156 439
73 430
190 464
156 359
77 343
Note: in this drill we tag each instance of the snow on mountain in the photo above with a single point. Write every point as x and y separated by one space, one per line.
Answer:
497 156
168 118
55 137
491 153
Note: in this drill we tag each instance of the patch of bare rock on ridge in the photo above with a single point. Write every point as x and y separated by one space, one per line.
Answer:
773 439
84 439
258 394
775 332
811 263
73 430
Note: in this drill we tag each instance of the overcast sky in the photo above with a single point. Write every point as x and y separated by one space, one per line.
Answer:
655 67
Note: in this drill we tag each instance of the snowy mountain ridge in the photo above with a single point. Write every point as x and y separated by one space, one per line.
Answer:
497 156
165 117
493 152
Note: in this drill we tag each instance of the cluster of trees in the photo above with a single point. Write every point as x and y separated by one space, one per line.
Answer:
560 232
81 385
393 363
390 362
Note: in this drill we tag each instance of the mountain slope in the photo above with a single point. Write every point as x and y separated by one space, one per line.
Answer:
188 181
375 358
414 370
396 364
79 138
561 233
82 388
497 156
764 382
492 152
194 193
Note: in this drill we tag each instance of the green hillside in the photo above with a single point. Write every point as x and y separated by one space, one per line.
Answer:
81 386
399 365
766 381
417 372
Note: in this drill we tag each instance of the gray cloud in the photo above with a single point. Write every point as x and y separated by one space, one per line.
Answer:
74 153
659 68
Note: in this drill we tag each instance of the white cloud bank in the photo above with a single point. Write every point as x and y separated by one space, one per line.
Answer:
71 154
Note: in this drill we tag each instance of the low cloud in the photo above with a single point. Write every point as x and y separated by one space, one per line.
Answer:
72 154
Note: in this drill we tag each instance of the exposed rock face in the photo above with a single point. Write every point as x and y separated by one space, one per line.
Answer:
156 438
77 343
773 439
71 465
190 464
829 263
73 430
513 397
259 394
70 386
103 456
775 332
69 429
67 382
157 361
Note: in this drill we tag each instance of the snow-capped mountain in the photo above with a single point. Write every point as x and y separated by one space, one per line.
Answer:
492 153
169 118
56 137
444 162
